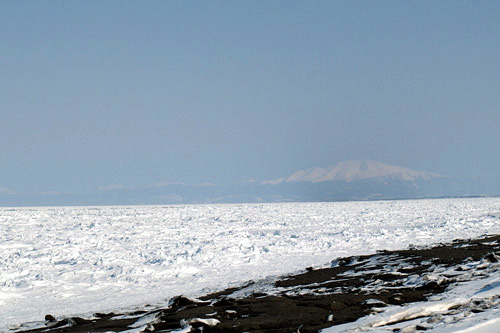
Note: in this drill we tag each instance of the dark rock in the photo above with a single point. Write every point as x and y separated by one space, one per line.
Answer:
50 318
491 258
78 321
179 301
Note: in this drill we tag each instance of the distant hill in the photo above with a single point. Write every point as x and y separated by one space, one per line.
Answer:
349 180
371 180
354 170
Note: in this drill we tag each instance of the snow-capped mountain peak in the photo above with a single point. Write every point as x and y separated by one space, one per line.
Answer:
353 170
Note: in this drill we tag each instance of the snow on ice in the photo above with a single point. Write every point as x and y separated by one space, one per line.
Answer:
80 260
472 305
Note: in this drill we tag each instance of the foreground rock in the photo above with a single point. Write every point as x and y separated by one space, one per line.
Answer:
351 288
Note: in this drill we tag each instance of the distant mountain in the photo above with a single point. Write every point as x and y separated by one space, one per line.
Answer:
349 180
371 180
354 170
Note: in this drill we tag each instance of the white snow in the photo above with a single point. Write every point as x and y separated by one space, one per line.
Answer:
81 260
472 305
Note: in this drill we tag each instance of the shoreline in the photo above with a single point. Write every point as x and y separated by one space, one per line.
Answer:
352 288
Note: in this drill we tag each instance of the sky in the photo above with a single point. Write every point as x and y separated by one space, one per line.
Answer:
130 93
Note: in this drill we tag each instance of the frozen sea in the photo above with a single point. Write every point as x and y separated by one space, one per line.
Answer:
81 260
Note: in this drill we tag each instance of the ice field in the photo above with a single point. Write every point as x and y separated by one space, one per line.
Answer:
80 260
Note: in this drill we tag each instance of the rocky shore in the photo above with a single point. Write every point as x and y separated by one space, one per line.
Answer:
315 299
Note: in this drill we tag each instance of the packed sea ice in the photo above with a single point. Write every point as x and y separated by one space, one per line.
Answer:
81 260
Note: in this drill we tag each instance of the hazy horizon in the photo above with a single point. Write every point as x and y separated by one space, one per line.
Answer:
129 94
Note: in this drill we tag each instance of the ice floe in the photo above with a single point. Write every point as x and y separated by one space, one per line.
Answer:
79 260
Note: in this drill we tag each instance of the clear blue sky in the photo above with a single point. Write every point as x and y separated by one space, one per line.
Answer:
94 93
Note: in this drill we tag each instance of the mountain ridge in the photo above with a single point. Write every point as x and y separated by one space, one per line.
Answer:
354 170
348 180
